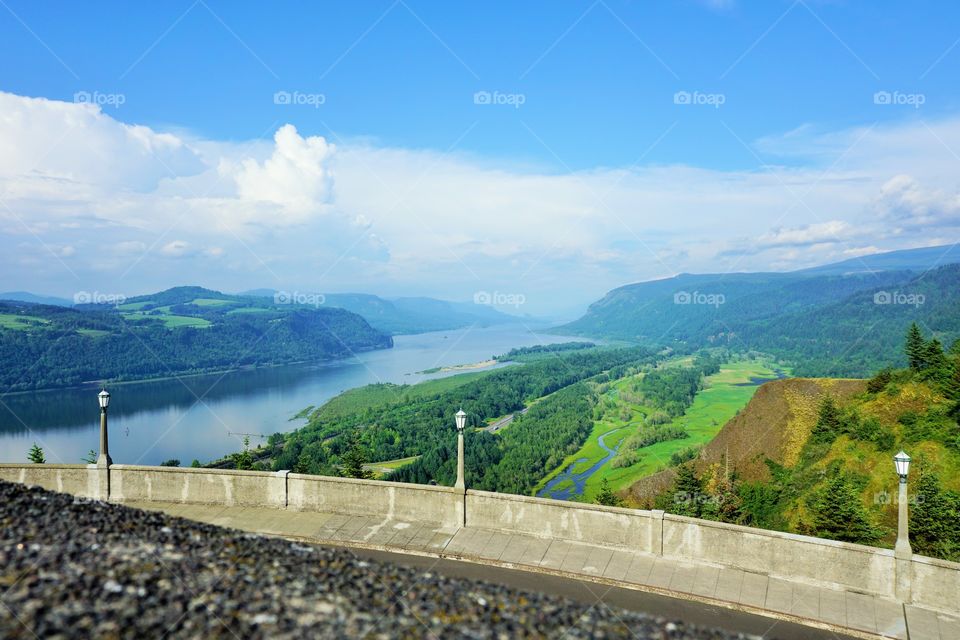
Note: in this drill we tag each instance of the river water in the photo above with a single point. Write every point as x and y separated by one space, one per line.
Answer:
203 417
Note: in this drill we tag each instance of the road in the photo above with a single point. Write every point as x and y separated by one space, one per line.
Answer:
502 422
592 593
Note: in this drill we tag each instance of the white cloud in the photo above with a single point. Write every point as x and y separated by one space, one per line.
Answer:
296 212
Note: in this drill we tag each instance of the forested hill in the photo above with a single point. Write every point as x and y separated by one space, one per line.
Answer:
815 456
823 322
179 331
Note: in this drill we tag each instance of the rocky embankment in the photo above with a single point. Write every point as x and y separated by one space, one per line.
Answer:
72 568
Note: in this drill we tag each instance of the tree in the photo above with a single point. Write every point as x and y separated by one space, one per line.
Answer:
36 454
686 497
244 459
91 457
195 464
936 366
173 462
879 382
916 347
929 522
354 459
606 496
839 514
828 421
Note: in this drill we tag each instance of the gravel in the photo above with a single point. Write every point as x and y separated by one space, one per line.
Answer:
75 568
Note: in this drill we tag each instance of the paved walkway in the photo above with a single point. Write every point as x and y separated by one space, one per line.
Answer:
852 613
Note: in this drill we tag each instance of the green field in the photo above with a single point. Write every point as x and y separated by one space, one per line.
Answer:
19 322
93 333
133 306
212 302
171 321
383 394
382 469
249 310
711 409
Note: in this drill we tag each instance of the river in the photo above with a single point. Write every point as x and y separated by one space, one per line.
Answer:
158 420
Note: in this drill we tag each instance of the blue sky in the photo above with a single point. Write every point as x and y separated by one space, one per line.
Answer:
584 93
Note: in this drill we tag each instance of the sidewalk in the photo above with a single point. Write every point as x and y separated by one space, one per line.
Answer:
852 613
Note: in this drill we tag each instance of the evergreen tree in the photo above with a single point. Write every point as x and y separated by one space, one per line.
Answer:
686 497
244 459
916 347
929 521
839 514
828 423
936 367
91 457
606 496
354 459
36 454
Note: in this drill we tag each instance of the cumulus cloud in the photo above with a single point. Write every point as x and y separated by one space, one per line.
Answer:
107 199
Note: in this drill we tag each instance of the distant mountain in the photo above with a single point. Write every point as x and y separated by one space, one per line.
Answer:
404 315
830 320
921 259
183 330
26 296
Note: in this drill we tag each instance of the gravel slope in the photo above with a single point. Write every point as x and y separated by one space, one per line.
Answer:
73 568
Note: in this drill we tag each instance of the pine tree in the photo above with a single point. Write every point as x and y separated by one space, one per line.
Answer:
244 459
839 514
929 522
354 459
606 496
686 497
916 347
91 457
827 427
936 365
36 454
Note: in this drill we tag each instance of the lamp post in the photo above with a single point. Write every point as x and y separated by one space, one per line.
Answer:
461 418
104 459
902 462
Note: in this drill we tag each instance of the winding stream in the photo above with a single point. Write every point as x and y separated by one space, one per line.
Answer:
579 479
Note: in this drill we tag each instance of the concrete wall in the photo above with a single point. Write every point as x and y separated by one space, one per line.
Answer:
934 583
132 483
413 502
794 557
609 526
76 479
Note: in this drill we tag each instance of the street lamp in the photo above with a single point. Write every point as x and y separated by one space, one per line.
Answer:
461 418
902 463
104 399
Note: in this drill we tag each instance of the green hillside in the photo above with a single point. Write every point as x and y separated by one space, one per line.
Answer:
179 331
835 478
820 322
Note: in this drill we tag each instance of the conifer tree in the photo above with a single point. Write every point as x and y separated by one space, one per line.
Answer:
916 347
929 526
606 496
839 514
827 427
686 498
36 454
354 459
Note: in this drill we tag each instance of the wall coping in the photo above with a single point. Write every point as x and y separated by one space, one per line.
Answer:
370 483
783 535
937 562
44 465
563 504
191 470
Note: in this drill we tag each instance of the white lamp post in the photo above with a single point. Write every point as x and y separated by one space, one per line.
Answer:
461 423
902 463
104 399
